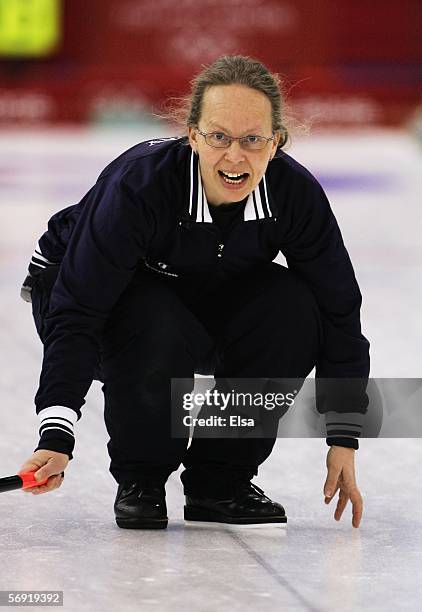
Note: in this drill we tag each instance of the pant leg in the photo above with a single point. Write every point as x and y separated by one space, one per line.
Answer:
270 328
150 338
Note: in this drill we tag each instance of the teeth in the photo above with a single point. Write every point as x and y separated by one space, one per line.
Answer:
231 175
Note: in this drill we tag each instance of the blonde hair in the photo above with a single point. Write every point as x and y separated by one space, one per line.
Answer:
229 70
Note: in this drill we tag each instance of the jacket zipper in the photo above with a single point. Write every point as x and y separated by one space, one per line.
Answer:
214 229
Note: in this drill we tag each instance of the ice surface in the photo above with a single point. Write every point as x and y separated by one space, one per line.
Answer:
67 540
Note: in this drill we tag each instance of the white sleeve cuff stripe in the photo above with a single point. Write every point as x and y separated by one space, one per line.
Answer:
347 425
55 412
37 255
48 420
58 427
349 419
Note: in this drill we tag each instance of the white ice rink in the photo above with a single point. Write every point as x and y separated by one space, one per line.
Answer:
67 540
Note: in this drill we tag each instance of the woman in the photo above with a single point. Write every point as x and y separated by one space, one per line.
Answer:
165 269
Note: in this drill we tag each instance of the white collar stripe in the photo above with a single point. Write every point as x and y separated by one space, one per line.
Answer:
191 186
200 198
265 194
195 188
254 193
249 214
199 195
257 204
203 214
207 215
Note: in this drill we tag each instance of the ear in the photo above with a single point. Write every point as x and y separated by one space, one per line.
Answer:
275 144
192 139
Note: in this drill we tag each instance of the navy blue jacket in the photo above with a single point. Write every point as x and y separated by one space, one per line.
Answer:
148 208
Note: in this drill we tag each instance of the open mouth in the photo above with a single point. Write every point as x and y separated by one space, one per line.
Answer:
233 178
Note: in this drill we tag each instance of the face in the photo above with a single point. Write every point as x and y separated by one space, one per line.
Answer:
236 110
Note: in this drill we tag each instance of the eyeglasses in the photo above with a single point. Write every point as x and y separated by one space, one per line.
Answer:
219 140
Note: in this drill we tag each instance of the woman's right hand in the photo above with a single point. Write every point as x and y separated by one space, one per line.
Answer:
46 464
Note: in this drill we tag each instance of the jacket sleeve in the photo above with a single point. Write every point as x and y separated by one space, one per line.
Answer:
314 249
106 245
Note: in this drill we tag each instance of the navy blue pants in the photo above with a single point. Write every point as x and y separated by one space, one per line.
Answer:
265 324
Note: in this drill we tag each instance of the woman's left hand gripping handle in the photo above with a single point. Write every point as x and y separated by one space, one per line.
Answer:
43 472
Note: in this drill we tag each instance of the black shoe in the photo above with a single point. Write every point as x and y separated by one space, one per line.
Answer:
247 506
141 507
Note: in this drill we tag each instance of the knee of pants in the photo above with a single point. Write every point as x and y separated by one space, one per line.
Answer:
296 297
151 345
141 306
142 310
284 301
156 336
